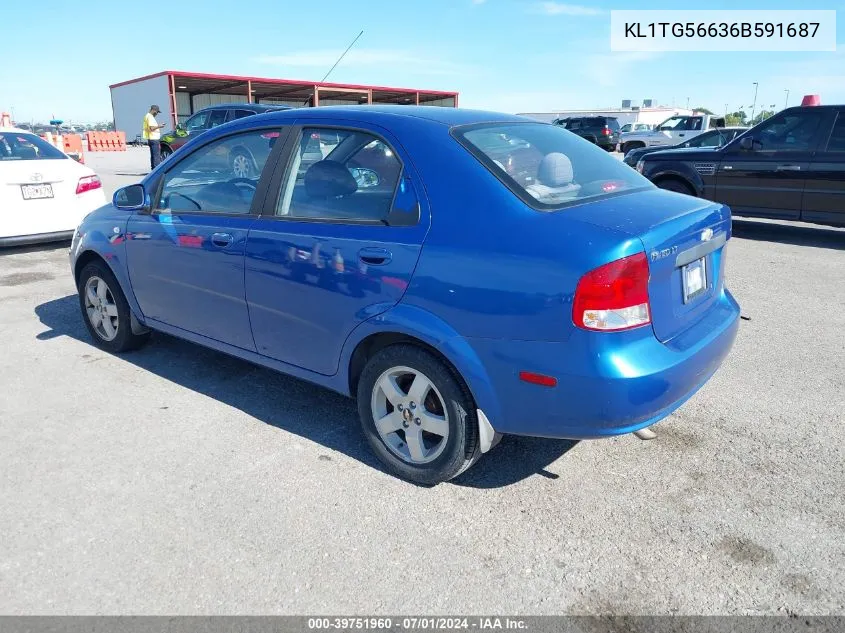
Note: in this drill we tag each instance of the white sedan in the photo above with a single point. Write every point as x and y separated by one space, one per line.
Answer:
44 194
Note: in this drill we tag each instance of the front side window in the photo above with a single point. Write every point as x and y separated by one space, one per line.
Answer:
675 123
546 166
340 175
217 117
22 146
197 122
220 177
791 132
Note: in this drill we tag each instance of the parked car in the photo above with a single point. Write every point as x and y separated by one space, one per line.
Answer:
456 301
635 127
44 194
672 131
209 118
710 138
791 167
601 130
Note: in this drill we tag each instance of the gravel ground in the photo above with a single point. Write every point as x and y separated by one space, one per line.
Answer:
176 480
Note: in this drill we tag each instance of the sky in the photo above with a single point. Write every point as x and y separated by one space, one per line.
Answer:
503 55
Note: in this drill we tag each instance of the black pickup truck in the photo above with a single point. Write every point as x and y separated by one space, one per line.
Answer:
790 167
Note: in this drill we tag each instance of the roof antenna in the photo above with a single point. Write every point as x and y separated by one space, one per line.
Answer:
337 62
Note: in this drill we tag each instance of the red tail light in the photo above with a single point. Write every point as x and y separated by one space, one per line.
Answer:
606 131
88 183
613 296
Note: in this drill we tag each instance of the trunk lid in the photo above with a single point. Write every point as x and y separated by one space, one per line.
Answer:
678 233
40 215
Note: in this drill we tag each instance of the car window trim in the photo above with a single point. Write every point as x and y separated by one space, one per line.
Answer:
260 196
457 133
284 166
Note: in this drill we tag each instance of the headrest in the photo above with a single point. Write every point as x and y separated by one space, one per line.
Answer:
329 179
555 170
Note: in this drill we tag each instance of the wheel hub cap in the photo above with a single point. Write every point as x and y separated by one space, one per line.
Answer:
410 415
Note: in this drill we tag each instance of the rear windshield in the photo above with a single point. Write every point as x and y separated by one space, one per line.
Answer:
547 166
22 146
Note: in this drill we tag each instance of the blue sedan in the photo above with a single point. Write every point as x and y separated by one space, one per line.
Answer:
462 274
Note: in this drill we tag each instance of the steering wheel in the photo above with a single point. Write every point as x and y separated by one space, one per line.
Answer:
184 197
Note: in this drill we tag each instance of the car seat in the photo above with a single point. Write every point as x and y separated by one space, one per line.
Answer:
554 180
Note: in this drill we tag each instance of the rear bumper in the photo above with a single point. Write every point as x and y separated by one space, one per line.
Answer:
38 238
608 383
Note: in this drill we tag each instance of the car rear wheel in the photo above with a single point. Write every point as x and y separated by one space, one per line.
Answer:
165 152
241 164
105 310
670 184
417 415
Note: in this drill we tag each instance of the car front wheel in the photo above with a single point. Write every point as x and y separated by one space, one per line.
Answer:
417 415
106 311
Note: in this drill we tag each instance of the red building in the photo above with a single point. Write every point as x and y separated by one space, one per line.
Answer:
180 94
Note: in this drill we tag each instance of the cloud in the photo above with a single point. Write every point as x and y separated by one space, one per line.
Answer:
410 61
558 8
605 69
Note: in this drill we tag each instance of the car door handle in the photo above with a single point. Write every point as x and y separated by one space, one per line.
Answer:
788 168
375 256
680 134
221 239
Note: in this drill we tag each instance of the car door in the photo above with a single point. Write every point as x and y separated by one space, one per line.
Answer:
824 193
768 180
337 243
186 256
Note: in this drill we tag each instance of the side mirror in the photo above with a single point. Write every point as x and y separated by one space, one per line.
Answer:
748 143
364 177
131 198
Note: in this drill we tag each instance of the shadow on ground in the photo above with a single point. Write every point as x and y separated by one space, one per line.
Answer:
786 233
293 405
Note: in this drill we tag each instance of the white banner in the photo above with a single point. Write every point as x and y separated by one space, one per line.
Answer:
711 30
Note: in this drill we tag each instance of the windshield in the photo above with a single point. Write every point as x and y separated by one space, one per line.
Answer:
23 146
547 166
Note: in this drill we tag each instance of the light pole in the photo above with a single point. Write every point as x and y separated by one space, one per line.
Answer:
687 103
754 105
726 110
786 101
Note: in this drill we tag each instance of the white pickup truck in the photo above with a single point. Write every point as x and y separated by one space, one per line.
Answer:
672 131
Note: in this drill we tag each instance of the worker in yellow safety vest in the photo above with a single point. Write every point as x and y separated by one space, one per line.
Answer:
152 134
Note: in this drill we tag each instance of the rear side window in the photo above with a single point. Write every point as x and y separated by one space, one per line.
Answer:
613 124
836 142
547 167
240 114
340 176
21 146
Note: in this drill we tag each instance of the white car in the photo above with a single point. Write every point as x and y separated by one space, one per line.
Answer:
44 193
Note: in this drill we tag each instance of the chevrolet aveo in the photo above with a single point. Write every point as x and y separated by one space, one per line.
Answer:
462 274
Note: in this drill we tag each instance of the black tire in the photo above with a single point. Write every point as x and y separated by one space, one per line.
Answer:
671 184
125 340
627 147
165 152
462 447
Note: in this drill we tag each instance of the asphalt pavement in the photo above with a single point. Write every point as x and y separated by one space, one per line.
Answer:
176 480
